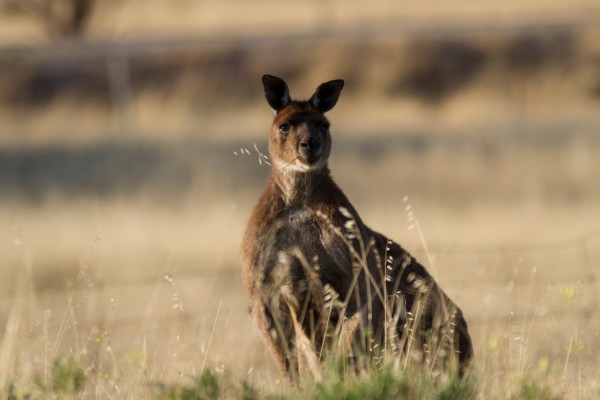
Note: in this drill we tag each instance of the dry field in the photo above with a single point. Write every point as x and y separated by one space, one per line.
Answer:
127 176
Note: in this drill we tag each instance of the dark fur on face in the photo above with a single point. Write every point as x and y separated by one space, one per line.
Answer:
299 138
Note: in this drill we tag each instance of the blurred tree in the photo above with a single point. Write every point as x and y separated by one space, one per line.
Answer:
60 17
67 17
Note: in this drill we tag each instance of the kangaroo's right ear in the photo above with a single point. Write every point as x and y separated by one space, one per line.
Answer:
327 95
276 92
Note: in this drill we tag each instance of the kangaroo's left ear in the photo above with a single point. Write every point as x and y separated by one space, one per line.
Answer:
326 95
276 92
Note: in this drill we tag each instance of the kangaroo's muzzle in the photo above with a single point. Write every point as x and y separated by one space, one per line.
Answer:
309 149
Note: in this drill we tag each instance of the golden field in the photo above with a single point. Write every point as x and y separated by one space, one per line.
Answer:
128 169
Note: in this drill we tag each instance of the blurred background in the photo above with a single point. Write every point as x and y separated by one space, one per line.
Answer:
130 134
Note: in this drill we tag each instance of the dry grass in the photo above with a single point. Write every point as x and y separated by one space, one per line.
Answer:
141 293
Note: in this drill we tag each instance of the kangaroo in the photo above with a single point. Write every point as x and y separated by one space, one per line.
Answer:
318 279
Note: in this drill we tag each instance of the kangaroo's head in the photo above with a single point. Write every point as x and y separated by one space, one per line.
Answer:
299 139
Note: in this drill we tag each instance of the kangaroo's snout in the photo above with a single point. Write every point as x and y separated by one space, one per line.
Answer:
309 148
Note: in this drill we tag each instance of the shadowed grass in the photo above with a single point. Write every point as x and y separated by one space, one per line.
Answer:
209 385
387 382
69 376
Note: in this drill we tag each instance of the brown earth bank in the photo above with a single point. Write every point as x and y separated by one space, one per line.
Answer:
430 68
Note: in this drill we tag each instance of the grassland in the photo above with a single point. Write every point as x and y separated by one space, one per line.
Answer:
123 201
135 294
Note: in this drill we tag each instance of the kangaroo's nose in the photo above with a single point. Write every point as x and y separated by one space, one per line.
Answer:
309 148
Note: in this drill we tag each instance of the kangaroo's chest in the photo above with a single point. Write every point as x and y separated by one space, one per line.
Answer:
299 228
296 241
294 237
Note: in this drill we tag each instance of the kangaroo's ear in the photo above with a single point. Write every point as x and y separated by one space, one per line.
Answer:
326 95
276 92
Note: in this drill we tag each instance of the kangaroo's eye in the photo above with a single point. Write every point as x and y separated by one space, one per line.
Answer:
284 129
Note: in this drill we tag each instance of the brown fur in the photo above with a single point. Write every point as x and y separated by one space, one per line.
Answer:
314 272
